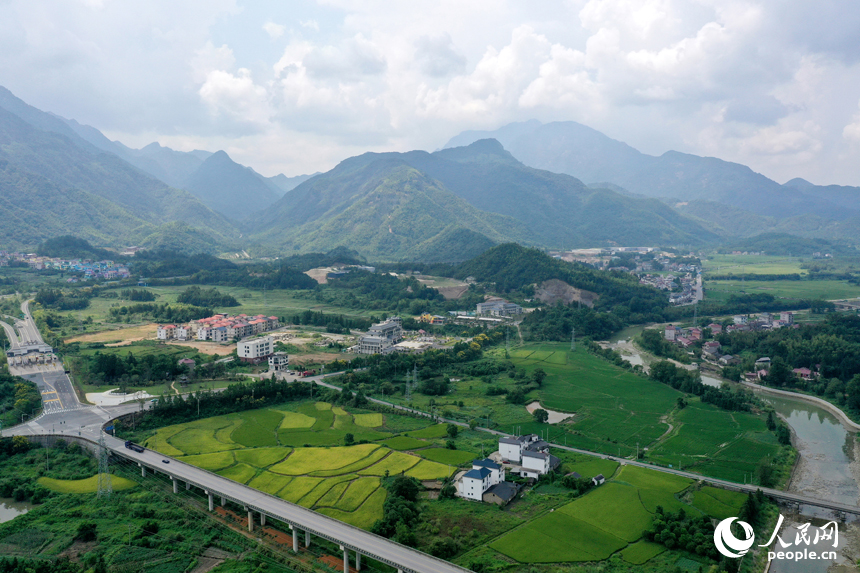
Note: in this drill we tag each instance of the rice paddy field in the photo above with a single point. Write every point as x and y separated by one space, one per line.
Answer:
617 411
297 454
610 518
88 485
751 264
804 289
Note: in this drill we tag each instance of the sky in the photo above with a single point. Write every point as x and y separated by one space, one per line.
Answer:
296 86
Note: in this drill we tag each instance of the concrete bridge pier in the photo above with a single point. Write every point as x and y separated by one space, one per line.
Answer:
175 485
187 486
307 538
295 538
345 559
223 502
211 501
357 561
250 521
262 519
142 470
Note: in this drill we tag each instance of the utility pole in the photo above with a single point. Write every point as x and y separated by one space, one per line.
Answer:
572 339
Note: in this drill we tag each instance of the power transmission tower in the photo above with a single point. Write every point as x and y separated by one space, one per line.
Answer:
105 485
408 389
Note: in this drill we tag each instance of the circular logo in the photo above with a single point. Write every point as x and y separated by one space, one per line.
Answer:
727 543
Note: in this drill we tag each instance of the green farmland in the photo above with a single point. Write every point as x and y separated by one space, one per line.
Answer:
609 519
804 289
750 264
616 411
270 450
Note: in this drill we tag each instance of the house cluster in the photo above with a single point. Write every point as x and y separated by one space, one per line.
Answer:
218 328
90 269
526 456
658 281
688 291
498 307
762 367
686 337
760 321
712 352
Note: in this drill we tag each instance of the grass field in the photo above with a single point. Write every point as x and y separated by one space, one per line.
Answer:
616 411
805 289
88 485
609 518
750 264
265 449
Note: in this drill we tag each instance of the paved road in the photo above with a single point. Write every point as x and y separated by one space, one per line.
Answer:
57 390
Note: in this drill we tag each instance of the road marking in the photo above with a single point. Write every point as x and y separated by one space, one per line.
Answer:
52 400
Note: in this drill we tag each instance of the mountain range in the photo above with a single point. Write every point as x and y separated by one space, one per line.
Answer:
521 183
729 198
402 205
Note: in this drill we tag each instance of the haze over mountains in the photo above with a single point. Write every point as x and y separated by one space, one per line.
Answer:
522 183
728 197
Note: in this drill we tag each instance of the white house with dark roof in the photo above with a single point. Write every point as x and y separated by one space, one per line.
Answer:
535 464
483 475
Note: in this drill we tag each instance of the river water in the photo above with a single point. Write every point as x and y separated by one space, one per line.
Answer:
824 470
10 509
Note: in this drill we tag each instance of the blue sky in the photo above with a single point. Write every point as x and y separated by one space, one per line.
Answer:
297 86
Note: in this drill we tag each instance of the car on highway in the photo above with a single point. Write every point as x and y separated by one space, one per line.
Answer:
165 461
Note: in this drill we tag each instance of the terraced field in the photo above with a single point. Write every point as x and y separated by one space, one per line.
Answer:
269 449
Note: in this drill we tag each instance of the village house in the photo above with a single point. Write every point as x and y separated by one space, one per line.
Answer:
278 362
484 474
716 328
498 307
254 349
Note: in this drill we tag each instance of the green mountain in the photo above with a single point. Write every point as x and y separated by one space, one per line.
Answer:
231 189
560 211
587 154
66 185
423 206
512 267
382 208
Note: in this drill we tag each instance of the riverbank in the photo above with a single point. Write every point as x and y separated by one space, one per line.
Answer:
824 404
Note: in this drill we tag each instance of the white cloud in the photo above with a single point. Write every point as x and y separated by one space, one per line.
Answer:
310 24
274 30
755 81
851 131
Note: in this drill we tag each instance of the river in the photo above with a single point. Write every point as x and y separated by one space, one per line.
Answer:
10 509
827 468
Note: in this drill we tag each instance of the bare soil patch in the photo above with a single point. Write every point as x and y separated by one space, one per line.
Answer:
319 274
555 290
124 335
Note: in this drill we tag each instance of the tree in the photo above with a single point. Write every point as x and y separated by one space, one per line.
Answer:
853 391
780 373
448 492
541 416
783 435
451 445
538 376
86 532
453 430
681 403
348 439
765 473
771 421
406 487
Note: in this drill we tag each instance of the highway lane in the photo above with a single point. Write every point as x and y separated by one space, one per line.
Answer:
56 388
